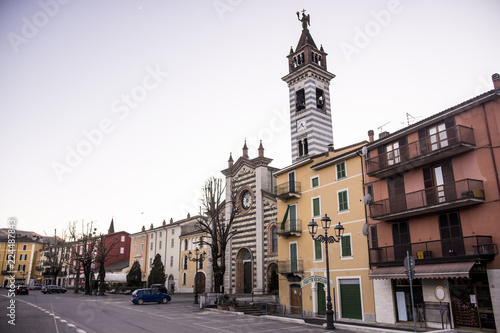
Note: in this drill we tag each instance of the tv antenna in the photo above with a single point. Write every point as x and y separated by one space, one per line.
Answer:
380 127
408 120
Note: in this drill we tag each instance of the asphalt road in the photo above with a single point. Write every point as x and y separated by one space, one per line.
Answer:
68 312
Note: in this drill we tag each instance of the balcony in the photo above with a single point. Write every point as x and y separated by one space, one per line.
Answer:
458 194
450 142
288 190
291 227
7 272
468 248
290 266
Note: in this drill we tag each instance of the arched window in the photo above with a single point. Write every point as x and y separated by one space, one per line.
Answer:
306 148
185 245
301 151
185 262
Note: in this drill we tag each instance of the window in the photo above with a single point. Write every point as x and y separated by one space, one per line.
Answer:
123 238
300 98
315 181
160 234
150 261
142 262
142 238
171 261
25 247
346 246
122 250
173 231
185 262
23 257
438 137
320 99
200 243
341 170
274 239
184 278
134 248
21 268
318 250
392 151
316 207
343 200
185 245
142 247
374 236
172 242
159 245
135 239
151 247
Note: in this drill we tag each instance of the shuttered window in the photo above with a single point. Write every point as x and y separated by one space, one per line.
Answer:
318 254
343 202
341 170
316 207
346 246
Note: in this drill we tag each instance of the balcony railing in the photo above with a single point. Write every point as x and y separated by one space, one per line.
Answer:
443 250
433 199
288 190
6 272
290 266
292 227
450 142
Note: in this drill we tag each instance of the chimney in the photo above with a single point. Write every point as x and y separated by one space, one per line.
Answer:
151 227
189 215
261 149
496 80
370 135
245 149
171 220
230 161
383 134
164 222
330 147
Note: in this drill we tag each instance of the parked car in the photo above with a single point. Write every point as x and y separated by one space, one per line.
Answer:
149 295
53 289
22 289
36 287
160 287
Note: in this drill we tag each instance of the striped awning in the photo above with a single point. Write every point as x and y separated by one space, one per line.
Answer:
430 271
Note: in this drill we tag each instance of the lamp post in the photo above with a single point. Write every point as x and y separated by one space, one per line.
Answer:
196 259
339 232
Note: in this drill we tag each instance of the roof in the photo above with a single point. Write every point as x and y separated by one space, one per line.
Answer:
432 271
466 105
252 163
305 39
117 266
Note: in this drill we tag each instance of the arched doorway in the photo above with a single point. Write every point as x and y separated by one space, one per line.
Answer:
272 278
244 272
171 284
200 282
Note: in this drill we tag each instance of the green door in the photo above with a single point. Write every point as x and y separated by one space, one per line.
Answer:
350 299
293 258
293 217
321 299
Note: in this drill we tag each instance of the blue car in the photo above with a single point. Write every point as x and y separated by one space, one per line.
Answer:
149 295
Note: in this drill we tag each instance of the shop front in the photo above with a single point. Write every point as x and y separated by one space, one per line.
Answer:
449 295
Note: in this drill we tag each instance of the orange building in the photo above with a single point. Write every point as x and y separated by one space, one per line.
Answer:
434 192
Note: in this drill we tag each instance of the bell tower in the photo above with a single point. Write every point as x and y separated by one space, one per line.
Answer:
308 83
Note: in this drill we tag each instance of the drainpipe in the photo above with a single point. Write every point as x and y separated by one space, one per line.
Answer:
491 148
366 216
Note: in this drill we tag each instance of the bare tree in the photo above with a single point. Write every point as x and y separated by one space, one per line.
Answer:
56 254
217 226
84 252
102 255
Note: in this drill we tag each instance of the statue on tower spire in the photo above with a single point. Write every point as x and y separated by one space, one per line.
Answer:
306 20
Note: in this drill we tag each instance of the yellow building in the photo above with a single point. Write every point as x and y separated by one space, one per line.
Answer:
19 258
332 184
191 270
139 253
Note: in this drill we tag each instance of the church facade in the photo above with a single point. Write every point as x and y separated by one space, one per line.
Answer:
253 252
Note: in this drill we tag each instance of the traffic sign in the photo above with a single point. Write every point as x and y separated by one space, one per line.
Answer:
409 262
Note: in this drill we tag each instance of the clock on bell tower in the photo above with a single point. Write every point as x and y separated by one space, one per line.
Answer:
308 83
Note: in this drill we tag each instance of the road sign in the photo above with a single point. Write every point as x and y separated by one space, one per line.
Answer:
440 293
409 262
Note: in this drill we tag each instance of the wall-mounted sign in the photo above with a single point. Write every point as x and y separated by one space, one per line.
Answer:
315 278
440 293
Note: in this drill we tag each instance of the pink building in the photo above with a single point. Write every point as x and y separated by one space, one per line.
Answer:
433 191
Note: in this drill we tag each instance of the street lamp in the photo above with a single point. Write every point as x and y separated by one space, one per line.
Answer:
196 259
339 232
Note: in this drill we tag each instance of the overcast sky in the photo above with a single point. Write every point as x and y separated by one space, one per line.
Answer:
122 109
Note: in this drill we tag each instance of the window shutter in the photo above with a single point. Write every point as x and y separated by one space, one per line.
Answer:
316 207
317 250
346 246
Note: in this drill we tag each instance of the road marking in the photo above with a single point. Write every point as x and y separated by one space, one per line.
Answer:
55 322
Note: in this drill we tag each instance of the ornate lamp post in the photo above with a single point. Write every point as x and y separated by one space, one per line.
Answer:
339 232
196 259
